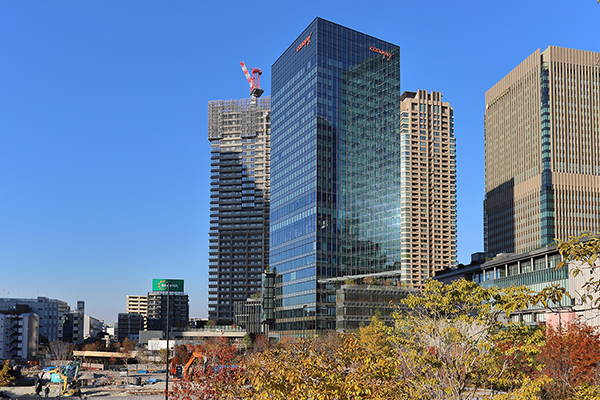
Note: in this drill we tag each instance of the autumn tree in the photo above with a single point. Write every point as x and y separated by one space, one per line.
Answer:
357 365
260 343
96 346
214 374
447 339
580 254
91 347
571 358
127 348
62 350
5 375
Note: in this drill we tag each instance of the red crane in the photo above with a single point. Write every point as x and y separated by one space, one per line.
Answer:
253 80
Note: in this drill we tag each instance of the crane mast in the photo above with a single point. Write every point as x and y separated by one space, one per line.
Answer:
253 81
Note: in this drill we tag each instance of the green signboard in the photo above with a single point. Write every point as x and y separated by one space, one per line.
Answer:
160 285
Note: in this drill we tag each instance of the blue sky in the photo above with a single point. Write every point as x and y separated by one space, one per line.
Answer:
104 160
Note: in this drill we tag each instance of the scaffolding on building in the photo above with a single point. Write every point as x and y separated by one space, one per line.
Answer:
237 115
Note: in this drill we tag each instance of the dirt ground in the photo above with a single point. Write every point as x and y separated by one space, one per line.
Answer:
107 385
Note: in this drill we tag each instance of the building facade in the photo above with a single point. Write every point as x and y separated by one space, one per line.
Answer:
129 326
19 335
248 315
239 132
345 145
428 180
357 304
536 269
137 304
542 151
162 306
50 312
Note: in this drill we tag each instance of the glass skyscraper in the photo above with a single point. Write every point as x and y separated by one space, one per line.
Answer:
336 169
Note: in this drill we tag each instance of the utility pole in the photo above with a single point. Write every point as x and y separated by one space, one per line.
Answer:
168 334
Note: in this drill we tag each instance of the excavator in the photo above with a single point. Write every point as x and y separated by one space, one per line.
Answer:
185 371
67 379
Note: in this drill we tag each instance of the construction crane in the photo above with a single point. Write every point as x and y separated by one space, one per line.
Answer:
253 80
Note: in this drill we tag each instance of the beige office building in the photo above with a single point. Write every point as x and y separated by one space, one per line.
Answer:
542 151
428 199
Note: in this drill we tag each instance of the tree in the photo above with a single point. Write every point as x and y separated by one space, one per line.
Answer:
91 347
5 375
260 343
144 356
210 324
215 374
62 350
127 348
449 340
246 341
581 255
571 358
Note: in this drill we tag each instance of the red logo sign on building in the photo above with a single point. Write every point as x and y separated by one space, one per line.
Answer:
383 53
305 42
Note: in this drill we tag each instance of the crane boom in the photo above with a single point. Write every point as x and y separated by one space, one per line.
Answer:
248 76
253 80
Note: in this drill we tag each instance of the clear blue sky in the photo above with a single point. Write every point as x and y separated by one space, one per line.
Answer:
104 160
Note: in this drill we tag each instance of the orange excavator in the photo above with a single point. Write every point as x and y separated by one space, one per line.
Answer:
185 371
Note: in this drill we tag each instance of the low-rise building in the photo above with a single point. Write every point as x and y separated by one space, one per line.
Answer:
19 334
49 311
129 326
536 269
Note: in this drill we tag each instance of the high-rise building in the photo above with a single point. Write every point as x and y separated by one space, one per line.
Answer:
239 132
163 305
542 151
428 198
355 175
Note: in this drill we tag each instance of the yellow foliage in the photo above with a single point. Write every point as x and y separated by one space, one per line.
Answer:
5 376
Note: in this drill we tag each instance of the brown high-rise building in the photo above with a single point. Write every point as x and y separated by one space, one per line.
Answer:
428 198
542 151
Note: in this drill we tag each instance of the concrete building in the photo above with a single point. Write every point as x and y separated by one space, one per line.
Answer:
535 269
248 315
129 326
542 151
73 324
358 303
49 311
239 132
175 305
362 176
428 179
137 304
19 334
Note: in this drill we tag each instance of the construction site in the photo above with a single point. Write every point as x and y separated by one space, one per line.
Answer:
135 381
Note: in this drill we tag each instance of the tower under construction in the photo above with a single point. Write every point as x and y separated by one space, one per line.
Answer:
240 133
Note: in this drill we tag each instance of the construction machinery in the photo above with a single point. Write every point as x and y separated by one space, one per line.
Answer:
253 81
66 376
184 372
